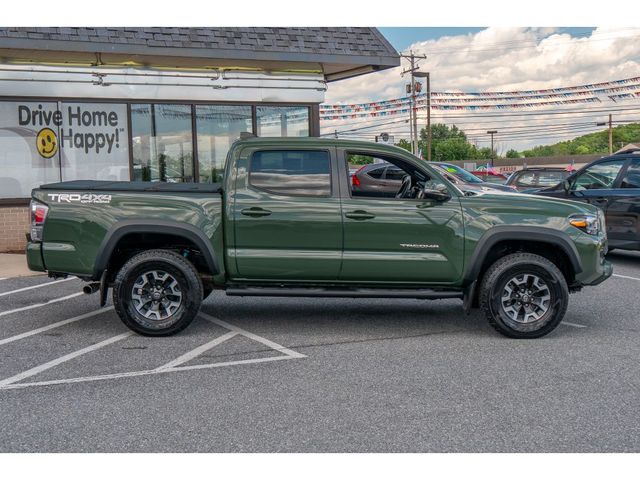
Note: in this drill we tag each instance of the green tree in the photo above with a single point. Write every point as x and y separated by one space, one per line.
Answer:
453 149
439 133
512 153
406 144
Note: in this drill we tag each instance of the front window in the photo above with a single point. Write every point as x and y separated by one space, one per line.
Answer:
600 176
162 142
461 173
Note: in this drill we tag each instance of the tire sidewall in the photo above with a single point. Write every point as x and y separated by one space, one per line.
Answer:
538 328
190 288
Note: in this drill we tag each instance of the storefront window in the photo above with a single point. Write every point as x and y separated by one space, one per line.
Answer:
218 126
29 147
283 121
162 143
94 141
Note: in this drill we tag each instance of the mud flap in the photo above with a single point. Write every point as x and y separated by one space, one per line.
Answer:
467 299
104 288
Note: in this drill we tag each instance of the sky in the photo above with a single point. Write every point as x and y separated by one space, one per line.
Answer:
503 58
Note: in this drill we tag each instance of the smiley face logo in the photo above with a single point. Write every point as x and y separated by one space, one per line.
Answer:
47 143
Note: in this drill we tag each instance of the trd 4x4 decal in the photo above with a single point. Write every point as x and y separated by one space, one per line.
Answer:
79 198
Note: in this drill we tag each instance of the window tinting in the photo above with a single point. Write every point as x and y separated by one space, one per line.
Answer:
376 172
394 173
632 177
600 176
291 172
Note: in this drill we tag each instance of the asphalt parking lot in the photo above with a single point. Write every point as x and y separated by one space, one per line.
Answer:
278 374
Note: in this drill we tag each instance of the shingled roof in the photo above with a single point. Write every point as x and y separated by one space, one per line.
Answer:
338 49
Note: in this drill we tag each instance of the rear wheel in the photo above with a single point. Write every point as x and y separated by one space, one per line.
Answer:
157 293
524 295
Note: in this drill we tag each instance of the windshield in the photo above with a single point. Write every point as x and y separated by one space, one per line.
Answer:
461 173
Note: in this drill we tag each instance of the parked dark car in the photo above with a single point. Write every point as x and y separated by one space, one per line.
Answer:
613 184
469 178
531 179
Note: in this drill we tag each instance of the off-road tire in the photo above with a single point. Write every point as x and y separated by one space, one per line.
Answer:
498 276
188 281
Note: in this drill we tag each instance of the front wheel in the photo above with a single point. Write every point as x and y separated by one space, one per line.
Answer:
524 295
157 293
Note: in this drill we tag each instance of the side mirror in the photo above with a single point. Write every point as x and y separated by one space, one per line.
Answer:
439 193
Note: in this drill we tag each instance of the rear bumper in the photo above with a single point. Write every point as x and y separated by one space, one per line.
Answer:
34 257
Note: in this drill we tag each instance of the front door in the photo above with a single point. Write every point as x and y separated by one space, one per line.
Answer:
394 240
286 215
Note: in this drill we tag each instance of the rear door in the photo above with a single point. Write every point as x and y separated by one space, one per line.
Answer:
286 212
393 240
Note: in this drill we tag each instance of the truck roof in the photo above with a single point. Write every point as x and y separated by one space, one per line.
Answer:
317 142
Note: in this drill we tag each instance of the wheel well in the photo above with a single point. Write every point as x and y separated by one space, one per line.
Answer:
133 243
548 250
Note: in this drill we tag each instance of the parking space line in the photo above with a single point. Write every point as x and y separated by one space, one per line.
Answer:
576 325
198 351
253 336
36 286
625 276
54 325
3 278
11 383
37 305
65 358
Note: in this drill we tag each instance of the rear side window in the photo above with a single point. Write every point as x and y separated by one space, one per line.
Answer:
394 173
376 172
632 177
291 172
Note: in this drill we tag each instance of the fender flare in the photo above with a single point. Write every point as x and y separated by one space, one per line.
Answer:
501 233
125 227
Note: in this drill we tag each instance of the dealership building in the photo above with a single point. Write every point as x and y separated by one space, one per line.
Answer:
158 104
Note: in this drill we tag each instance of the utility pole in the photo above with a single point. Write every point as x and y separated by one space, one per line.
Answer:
492 133
413 117
610 134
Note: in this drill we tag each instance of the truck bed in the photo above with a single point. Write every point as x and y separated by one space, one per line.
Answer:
103 185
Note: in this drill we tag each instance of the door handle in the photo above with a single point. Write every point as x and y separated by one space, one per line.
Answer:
255 212
359 215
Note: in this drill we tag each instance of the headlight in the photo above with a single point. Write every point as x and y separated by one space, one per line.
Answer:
586 222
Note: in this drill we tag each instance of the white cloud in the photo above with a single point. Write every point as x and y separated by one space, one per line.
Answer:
501 58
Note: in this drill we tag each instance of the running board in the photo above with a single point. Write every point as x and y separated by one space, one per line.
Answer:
420 293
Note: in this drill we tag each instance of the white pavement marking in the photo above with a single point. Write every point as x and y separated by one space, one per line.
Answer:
197 351
10 384
65 358
140 373
55 300
577 325
253 336
36 286
54 325
624 276
3 278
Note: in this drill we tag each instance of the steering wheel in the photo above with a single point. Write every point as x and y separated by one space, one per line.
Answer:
405 188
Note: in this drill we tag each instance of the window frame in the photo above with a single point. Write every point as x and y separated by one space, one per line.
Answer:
348 194
332 179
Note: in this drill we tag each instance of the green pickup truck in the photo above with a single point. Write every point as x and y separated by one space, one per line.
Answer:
286 221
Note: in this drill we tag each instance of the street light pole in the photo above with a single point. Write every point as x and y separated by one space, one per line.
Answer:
428 117
492 133
610 134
